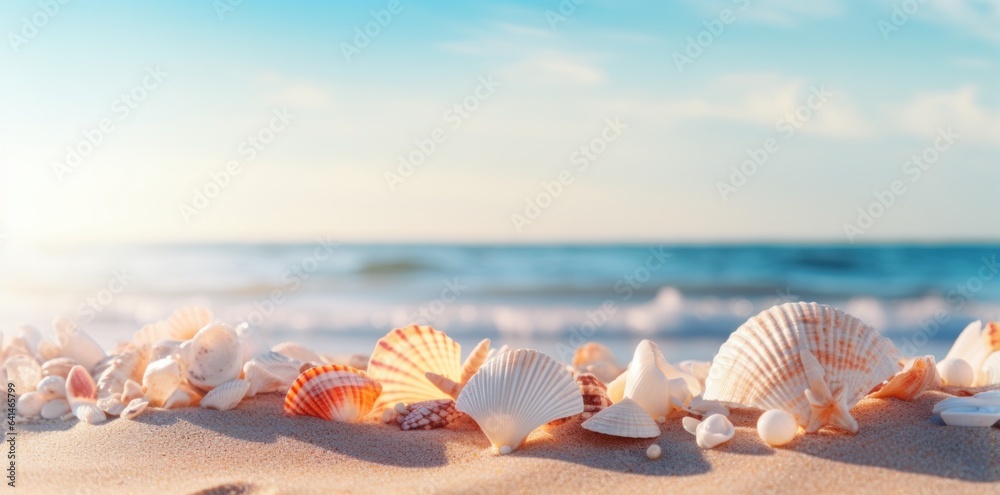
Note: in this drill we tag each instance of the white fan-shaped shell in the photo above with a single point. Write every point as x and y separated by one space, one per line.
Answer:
515 393
991 369
24 372
226 396
645 382
213 356
270 372
774 358
76 344
402 358
625 418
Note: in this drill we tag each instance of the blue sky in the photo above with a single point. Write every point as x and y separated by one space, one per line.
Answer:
330 169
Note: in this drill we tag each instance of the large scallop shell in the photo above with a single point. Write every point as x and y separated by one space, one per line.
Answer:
213 356
626 418
917 376
810 360
226 396
333 392
402 358
182 325
515 393
76 344
270 372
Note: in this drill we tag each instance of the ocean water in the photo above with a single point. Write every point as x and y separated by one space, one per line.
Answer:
341 298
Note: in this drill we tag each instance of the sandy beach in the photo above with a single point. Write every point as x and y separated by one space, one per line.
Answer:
255 448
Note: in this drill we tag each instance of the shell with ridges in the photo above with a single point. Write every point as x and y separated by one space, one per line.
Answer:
333 392
128 365
810 360
625 418
182 325
429 415
594 394
917 376
226 396
515 393
402 358
270 372
213 357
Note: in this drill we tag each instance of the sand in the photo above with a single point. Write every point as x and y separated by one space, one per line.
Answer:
256 449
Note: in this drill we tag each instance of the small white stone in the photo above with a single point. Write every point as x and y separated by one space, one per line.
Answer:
653 452
956 372
777 427
505 450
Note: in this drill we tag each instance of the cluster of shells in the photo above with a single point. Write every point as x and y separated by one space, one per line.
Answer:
805 364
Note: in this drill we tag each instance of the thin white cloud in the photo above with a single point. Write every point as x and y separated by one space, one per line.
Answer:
773 12
304 95
977 17
555 68
961 109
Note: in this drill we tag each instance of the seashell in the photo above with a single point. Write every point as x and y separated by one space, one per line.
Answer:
974 345
598 360
625 418
251 341
30 335
991 367
76 344
956 372
714 430
777 427
48 351
918 375
111 404
697 369
226 396
59 366
23 372
980 410
616 388
134 408
810 360
516 392
17 347
474 361
389 415
270 372
128 365
161 379
356 361
429 415
52 387
402 358
182 325
183 396
214 357
131 391
164 348
645 383
333 392
444 384
594 394
29 405
81 393
496 352
297 352
55 408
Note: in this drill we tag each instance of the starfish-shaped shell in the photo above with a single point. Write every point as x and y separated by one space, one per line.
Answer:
827 408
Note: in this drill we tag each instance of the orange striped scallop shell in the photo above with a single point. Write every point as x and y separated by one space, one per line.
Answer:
333 392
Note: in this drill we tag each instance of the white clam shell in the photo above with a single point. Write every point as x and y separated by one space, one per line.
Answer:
515 393
24 372
991 369
714 430
161 378
777 427
226 396
213 356
956 372
51 387
625 418
270 372
402 358
76 344
811 360
29 405
646 383
134 408
55 409
58 366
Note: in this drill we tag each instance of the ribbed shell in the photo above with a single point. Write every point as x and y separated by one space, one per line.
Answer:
625 418
516 392
270 372
333 392
594 393
401 359
918 375
761 365
182 325
226 396
429 415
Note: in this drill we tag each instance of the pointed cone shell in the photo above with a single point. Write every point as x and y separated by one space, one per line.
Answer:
402 358
270 372
333 392
646 384
991 368
131 391
515 393
918 375
76 344
625 418
226 396
214 356
774 358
